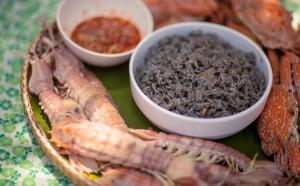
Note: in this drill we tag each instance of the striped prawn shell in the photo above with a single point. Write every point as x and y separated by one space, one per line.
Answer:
108 144
195 148
104 143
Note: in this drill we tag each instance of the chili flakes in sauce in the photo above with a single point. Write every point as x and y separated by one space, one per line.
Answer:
106 35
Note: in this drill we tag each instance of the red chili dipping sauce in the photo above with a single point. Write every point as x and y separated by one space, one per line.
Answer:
106 35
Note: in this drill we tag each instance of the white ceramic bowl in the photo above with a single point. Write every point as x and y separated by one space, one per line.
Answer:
211 128
71 12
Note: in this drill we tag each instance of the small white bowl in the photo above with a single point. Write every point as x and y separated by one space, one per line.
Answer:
72 12
211 128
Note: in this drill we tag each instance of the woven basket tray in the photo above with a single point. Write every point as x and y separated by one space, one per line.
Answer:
62 163
247 136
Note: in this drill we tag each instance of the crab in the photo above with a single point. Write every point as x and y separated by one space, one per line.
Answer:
278 125
270 22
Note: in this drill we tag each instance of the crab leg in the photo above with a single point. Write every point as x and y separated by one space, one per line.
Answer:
294 156
286 71
293 145
275 64
295 60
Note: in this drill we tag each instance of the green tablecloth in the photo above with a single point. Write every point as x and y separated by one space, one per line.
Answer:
22 162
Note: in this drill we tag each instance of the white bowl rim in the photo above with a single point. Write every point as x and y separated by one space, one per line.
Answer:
194 119
67 37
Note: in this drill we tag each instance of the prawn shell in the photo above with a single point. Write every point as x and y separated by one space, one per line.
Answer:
103 143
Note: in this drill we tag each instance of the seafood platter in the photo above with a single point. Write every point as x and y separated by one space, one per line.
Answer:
159 92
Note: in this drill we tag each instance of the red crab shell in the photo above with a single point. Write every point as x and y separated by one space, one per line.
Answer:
275 123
